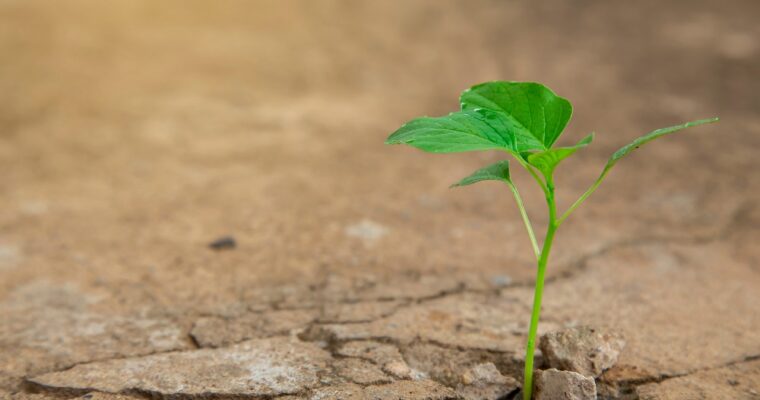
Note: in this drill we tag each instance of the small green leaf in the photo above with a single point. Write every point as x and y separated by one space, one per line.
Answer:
625 150
546 161
532 106
494 172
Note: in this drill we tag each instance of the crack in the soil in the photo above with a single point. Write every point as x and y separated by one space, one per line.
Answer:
312 332
627 389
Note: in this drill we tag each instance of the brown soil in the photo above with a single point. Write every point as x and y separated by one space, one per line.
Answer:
135 133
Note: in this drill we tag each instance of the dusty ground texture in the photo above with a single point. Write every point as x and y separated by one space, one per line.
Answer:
135 133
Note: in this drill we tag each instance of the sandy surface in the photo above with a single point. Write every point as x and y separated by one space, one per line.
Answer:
134 133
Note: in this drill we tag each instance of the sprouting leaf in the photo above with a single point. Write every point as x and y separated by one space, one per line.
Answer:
625 150
546 161
533 106
513 116
640 141
495 172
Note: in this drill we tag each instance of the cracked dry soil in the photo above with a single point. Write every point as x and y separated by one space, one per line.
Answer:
135 133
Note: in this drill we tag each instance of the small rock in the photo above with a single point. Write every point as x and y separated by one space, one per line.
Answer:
223 243
485 382
583 349
399 369
553 384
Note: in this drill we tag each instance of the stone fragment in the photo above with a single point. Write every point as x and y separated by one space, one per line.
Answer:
399 369
223 243
584 349
553 384
360 371
263 367
218 332
485 382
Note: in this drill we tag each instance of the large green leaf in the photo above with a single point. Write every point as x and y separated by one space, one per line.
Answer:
512 116
495 172
460 131
546 161
532 106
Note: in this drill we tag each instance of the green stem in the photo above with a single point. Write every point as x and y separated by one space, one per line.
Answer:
585 195
525 219
537 294
532 173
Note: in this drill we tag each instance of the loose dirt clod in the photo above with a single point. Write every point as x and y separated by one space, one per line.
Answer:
583 349
485 382
553 384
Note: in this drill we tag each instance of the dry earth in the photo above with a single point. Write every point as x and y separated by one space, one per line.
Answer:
134 133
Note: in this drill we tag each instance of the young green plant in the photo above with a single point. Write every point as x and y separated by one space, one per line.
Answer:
523 119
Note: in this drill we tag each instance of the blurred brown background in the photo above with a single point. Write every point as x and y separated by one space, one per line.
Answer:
133 133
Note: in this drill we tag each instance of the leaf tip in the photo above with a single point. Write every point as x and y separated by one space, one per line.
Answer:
705 121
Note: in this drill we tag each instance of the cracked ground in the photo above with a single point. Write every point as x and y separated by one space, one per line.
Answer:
135 133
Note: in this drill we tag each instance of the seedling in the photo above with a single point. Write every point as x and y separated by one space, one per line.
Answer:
524 119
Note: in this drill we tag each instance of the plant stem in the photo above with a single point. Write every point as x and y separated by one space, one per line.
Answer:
537 294
532 173
525 218
585 195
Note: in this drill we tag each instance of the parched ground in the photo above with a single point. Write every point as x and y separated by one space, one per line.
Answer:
134 133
